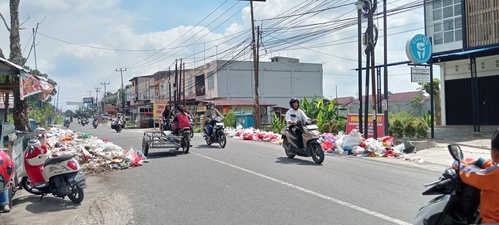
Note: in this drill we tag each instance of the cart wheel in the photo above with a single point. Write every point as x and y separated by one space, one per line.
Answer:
145 145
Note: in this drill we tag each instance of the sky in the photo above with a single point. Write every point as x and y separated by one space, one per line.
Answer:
80 44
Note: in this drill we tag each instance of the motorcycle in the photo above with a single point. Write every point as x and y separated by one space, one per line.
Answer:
218 134
457 202
191 119
95 123
66 124
166 124
310 139
60 176
84 121
119 126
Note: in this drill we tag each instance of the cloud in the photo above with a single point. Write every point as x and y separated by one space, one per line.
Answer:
83 42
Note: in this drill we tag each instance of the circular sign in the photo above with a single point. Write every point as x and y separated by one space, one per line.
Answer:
418 49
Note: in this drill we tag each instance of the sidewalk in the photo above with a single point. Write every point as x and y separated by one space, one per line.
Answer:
473 145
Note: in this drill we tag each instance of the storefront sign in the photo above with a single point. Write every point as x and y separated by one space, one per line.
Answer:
420 74
418 49
158 107
353 123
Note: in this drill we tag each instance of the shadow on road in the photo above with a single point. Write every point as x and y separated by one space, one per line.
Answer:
47 204
214 146
297 161
163 153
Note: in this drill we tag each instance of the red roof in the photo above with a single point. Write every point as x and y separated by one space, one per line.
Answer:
233 102
399 97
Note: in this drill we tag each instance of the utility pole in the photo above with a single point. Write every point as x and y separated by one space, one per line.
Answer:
359 5
122 92
255 65
57 103
179 87
183 87
169 87
97 90
175 85
385 80
104 95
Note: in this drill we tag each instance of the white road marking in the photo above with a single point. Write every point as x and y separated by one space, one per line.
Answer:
337 201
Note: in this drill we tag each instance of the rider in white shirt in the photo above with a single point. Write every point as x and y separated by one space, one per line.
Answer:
294 103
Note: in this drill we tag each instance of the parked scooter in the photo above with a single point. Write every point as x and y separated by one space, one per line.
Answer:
310 142
457 202
95 123
60 176
218 135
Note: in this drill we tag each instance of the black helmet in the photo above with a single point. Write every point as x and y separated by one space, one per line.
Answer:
180 108
293 100
211 104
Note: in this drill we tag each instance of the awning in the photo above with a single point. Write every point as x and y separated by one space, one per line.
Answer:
476 52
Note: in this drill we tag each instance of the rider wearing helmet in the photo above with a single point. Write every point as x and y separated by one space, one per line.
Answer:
211 113
298 117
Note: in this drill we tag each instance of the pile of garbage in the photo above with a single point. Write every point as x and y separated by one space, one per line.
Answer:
93 154
252 134
341 143
354 144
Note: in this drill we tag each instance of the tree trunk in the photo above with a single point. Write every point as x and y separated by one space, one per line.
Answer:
438 110
20 106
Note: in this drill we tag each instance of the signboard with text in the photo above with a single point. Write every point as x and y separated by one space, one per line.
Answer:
158 107
353 123
420 74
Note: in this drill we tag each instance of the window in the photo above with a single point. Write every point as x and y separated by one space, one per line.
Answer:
447 21
211 81
437 27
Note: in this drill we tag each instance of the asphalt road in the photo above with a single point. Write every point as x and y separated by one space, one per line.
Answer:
255 183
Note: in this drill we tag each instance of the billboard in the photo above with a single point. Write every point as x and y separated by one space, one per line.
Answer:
353 123
158 107
88 100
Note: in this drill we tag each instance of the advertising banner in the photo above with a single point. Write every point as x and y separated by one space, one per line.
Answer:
158 107
29 85
353 123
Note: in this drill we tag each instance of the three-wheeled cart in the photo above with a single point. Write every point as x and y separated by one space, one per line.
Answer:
158 139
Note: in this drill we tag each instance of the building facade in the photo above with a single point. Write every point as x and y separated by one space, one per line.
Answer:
466 48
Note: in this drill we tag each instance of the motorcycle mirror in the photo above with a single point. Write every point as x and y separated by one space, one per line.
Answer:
456 152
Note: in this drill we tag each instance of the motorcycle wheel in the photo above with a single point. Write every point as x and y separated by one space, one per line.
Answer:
289 155
222 140
27 185
185 145
145 146
77 194
317 153
192 132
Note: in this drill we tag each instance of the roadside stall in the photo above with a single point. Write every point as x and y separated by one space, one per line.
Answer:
13 77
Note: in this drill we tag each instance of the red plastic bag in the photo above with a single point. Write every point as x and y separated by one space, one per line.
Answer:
247 136
387 140
326 145
136 159
238 133
260 136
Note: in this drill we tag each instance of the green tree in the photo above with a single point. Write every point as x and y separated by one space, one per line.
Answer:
436 96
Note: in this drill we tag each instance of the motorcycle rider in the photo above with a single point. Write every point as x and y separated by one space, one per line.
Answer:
210 113
294 103
166 115
181 120
487 179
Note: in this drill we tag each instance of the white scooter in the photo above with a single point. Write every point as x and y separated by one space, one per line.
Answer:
59 176
457 203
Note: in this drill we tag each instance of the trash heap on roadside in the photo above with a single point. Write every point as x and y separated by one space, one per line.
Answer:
93 154
351 144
